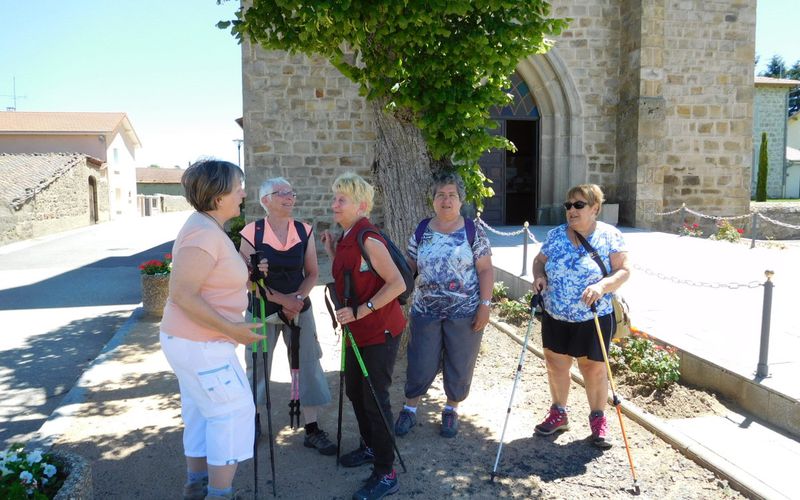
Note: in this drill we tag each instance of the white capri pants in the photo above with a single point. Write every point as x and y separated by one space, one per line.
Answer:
216 404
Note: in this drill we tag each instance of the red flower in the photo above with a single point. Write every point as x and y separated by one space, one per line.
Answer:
740 231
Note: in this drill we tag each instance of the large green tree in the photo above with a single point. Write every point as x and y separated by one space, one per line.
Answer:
763 170
431 69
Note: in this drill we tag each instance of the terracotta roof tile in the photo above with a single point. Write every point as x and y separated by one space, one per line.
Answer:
24 121
24 175
159 175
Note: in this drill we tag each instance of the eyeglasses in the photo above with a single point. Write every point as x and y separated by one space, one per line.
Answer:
284 194
578 205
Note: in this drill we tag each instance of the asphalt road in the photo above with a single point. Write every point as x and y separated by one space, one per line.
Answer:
62 297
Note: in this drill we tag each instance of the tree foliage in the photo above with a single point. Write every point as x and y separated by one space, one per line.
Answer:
763 169
793 73
439 64
776 67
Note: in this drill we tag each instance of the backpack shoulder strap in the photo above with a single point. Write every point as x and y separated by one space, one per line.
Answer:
421 227
360 239
469 227
259 236
301 232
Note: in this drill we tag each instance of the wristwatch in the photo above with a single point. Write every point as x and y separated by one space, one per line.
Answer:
487 303
370 306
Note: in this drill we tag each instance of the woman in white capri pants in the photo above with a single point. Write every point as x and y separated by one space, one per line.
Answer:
203 321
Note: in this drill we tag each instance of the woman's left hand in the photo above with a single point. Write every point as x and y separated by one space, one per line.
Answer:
592 294
481 318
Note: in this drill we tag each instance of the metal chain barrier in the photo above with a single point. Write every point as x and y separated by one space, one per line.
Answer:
671 211
777 222
716 217
707 284
532 237
495 231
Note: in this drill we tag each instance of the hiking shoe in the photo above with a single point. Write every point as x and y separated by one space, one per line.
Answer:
599 426
449 427
196 490
233 496
378 487
405 421
362 455
320 441
556 421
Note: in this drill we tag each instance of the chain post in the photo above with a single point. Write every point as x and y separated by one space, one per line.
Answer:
524 249
766 312
753 233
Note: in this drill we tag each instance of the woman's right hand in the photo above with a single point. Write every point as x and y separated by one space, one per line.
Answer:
539 284
243 333
327 242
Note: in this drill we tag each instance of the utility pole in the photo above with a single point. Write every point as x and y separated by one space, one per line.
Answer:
239 151
13 95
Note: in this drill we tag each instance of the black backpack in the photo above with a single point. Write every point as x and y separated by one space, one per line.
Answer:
397 257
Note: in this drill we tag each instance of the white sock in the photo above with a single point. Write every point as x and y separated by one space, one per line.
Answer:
451 408
412 409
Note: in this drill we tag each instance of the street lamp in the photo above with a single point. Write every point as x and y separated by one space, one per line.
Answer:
239 151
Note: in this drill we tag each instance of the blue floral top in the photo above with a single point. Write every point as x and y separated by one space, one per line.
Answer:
447 286
570 270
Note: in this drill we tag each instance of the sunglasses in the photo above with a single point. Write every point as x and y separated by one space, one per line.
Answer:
578 205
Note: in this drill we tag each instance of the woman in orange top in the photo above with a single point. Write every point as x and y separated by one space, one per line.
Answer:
202 324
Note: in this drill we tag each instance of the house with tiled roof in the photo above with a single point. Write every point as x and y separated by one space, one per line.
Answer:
109 137
44 193
770 110
159 181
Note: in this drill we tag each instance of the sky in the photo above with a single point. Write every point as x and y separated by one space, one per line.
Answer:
777 32
163 62
178 77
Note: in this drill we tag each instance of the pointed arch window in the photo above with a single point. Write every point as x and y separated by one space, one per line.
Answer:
522 105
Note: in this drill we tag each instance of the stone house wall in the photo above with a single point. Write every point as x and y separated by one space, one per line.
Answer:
770 117
62 205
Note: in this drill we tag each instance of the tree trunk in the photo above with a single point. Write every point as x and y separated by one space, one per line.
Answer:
403 172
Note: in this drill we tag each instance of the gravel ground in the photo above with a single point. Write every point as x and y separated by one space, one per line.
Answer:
564 466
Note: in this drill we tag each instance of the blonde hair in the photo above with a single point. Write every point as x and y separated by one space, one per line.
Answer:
354 186
591 192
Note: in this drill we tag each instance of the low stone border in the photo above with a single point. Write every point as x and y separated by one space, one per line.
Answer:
738 478
78 485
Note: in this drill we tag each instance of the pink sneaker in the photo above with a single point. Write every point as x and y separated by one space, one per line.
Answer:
556 421
599 426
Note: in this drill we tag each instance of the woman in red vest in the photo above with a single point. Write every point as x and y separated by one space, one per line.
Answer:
376 320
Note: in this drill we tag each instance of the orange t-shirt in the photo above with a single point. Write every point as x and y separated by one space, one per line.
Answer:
225 287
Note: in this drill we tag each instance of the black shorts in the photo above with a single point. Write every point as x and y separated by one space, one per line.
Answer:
577 339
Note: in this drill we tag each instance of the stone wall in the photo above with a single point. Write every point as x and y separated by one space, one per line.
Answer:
654 103
62 205
303 121
770 117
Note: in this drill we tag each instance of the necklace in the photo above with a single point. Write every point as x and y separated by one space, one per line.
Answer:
215 221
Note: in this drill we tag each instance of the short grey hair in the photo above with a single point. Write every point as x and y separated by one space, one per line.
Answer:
446 179
268 186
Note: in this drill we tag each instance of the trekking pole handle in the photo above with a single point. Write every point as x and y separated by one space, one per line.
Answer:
536 300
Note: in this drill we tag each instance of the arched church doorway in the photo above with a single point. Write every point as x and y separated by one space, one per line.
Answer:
514 174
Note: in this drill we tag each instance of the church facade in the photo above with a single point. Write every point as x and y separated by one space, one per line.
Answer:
651 99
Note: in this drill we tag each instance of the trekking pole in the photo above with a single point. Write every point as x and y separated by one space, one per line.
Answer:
635 490
365 373
535 300
265 359
254 373
330 293
341 399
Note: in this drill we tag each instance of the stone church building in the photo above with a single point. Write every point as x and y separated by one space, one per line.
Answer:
651 99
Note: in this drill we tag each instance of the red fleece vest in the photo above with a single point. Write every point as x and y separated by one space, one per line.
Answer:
370 329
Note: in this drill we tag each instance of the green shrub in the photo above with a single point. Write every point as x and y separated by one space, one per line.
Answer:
763 170
727 232
657 366
513 312
499 291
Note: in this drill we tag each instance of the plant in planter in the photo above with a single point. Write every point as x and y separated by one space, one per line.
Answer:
155 284
656 366
28 474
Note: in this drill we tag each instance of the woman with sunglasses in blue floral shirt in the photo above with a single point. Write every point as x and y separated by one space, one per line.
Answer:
571 281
